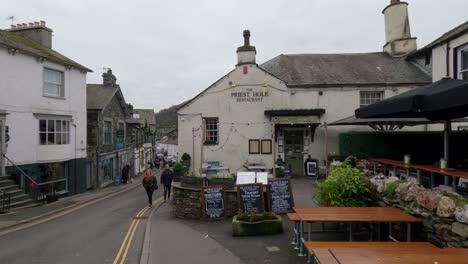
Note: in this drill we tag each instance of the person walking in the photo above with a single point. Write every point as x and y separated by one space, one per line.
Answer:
150 183
125 172
166 180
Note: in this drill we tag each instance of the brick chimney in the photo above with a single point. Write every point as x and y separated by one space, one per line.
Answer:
397 30
246 54
34 31
108 78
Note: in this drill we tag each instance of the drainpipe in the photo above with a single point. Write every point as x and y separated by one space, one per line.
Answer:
98 143
447 60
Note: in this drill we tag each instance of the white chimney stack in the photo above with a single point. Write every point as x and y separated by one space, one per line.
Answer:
246 54
397 30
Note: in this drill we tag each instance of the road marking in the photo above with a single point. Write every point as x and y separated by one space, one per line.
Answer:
62 213
130 234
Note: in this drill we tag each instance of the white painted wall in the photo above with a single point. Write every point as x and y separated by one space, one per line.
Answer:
251 123
21 87
439 57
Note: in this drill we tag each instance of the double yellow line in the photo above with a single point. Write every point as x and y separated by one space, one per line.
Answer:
123 251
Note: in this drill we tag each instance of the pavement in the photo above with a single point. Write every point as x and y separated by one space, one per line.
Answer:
173 240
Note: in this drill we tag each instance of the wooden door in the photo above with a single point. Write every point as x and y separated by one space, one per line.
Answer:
294 146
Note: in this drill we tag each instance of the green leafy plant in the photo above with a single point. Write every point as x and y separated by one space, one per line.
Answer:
178 167
345 186
226 177
186 156
251 218
390 189
280 173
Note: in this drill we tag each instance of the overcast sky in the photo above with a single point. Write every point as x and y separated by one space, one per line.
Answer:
165 52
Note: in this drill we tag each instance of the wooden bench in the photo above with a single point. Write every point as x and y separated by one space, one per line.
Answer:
312 246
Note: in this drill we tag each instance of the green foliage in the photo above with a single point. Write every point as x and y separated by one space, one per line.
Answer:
178 167
390 189
394 145
185 157
280 173
227 177
461 201
345 186
251 218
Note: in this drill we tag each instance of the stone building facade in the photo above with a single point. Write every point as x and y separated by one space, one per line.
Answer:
109 143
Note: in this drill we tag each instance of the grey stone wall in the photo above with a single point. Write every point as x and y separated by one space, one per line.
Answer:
188 205
444 213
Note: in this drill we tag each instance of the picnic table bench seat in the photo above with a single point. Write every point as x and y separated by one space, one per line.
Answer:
313 245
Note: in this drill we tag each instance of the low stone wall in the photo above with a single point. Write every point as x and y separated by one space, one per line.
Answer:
188 202
444 213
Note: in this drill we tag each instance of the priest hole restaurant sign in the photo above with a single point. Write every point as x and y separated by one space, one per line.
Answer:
249 95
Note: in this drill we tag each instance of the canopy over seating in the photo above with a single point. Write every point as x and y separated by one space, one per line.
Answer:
443 100
388 124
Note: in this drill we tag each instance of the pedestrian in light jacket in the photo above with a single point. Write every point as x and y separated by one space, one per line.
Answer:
166 180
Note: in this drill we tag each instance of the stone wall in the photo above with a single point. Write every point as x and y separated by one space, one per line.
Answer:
444 213
187 202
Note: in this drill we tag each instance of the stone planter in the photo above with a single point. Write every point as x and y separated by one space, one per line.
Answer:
177 176
191 182
265 227
228 184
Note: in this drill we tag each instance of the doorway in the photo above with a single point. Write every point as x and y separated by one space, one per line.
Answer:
294 146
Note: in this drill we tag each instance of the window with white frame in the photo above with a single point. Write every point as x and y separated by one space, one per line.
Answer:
54 132
53 83
463 62
107 132
367 98
211 131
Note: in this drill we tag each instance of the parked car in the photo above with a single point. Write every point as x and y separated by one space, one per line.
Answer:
171 160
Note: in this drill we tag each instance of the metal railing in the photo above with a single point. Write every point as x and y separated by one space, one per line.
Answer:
35 190
5 201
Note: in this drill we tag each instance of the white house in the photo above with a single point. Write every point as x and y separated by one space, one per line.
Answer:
256 112
43 94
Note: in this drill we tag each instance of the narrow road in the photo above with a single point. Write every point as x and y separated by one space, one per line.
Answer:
93 234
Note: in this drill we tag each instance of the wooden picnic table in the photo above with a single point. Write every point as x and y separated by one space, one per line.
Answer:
350 215
427 168
391 255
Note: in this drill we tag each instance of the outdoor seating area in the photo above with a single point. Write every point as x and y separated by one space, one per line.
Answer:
377 249
458 178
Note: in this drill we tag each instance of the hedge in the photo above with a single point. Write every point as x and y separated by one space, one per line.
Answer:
424 147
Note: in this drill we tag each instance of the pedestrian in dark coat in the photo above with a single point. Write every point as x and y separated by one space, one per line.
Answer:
166 180
125 172
150 183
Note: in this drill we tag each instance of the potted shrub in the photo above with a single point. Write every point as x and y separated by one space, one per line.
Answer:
178 170
227 181
257 224
185 161
345 186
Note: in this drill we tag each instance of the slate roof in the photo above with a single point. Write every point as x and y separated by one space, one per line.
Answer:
454 33
324 70
26 46
147 114
98 95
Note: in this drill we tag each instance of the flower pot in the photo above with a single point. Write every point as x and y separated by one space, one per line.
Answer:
260 228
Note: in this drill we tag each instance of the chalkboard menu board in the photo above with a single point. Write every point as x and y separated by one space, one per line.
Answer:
280 199
250 198
213 202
